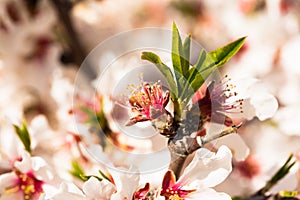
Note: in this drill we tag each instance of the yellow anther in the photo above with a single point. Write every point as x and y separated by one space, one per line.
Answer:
175 197
29 189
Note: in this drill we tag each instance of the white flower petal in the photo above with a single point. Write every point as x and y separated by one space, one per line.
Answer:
69 187
126 183
12 151
287 124
265 105
66 191
12 196
49 191
7 180
245 85
207 168
239 148
25 164
41 169
249 111
208 194
67 196
289 55
94 189
256 100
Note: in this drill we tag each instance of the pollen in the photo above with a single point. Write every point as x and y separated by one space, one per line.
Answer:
175 197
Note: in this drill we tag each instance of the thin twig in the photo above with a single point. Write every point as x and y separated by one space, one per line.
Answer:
227 131
63 8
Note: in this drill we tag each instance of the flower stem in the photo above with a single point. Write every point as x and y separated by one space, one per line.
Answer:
176 146
178 156
177 114
227 131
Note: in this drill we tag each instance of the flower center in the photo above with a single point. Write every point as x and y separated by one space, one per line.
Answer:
176 193
172 194
148 101
27 184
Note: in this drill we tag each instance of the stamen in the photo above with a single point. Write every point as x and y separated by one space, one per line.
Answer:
148 97
223 94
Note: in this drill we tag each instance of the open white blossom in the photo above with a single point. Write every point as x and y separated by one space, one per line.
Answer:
66 191
206 170
226 101
257 101
126 183
95 189
92 189
27 179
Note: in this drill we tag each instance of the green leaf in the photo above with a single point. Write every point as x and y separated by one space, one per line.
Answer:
77 171
280 174
180 54
207 63
186 59
194 70
85 177
177 51
104 176
221 55
164 69
190 89
235 198
24 136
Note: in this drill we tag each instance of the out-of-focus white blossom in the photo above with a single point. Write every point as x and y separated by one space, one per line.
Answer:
126 183
94 189
66 190
9 153
239 148
27 179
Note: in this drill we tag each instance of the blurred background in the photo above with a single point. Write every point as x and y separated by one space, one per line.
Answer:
44 42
